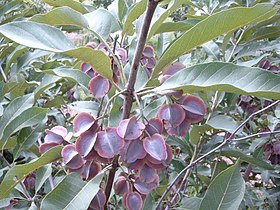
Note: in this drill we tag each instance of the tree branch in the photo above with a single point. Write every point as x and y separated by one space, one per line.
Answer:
130 85
137 57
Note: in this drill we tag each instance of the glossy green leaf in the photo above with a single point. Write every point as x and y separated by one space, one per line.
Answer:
171 8
223 21
72 193
18 172
61 16
226 191
136 11
75 5
14 109
247 158
225 77
37 35
29 117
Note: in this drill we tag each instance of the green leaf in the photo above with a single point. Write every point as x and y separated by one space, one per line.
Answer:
73 74
225 77
27 137
226 191
102 22
266 33
72 193
42 174
61 16
29 117
47 81
30 34
247 158
18 172
223 122
173 26
191 203
36 35
14 109
75 5
96 58
210 28
17 53
136 11
5 202
171 8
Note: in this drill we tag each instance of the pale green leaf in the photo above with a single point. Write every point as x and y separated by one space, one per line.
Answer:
61 16
37 35
73 74
271 32
226 191
18 172
225 77
247 158
79 193
204 31
14 109
102 22
42 174
173 26
171 8
75 5
96 58
29 117
136 11
223 122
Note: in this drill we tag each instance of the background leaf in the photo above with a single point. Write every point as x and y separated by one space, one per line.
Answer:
14 109
61 16
29 117
21 171
247 158
72 193
75 5
136 11
225 77
171 8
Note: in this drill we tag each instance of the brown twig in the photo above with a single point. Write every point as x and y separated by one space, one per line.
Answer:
130 85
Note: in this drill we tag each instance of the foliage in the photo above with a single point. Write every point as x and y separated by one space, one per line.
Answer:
106 106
